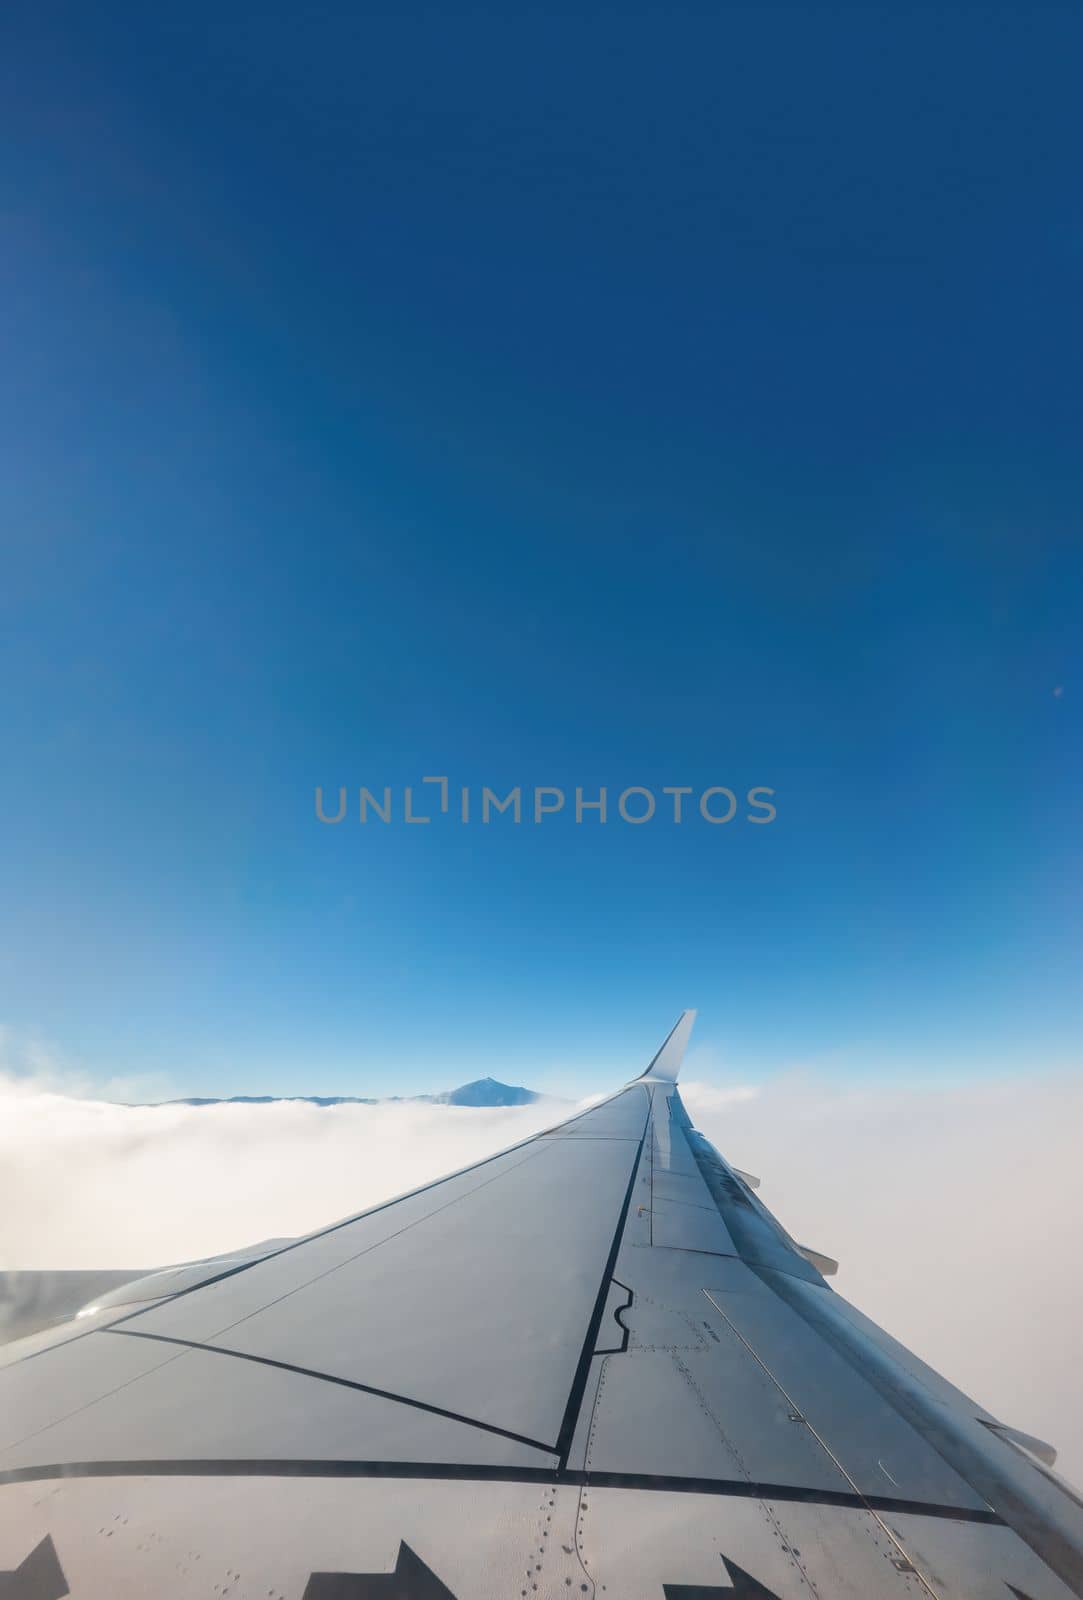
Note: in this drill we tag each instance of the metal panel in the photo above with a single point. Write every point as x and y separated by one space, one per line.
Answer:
417 1315
60 1381
623 1117
702 1413
686 1226
202 1406
877 1447
239 1294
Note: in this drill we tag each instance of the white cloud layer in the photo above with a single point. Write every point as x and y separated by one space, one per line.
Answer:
954 1212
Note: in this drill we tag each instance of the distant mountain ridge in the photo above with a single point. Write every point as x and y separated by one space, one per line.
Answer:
481 1092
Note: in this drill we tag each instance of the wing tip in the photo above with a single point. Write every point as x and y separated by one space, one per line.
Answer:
667 1060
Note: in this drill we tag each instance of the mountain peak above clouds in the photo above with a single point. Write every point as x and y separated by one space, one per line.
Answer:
486 1092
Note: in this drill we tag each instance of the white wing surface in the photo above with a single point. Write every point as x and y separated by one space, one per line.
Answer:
593 1365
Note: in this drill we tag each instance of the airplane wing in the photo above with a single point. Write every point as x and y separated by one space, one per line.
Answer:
591 1366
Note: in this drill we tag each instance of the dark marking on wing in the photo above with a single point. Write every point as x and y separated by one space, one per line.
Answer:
618 1318
411 1580
460 1472
741 1587
39 1577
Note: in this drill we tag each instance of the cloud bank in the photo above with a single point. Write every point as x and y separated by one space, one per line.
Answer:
954 1212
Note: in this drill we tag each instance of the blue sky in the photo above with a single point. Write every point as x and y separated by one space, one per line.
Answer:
639 398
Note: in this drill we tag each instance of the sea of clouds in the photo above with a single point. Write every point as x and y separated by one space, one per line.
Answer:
954 1211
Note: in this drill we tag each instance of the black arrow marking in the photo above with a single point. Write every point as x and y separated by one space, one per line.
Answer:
39 1577
1017 1592
743 1587
411 1580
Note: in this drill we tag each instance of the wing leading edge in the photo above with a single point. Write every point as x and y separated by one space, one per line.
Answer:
593 1363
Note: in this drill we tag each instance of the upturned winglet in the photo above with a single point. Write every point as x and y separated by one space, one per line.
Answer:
667 1063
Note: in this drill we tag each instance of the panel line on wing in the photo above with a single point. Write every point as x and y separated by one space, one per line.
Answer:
367 1249
821 1441
232 1271
330 1377
444 1471
586 1355
618 1318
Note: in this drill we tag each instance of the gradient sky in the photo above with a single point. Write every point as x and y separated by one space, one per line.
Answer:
646 397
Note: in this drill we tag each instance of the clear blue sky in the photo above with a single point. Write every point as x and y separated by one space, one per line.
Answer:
645 397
